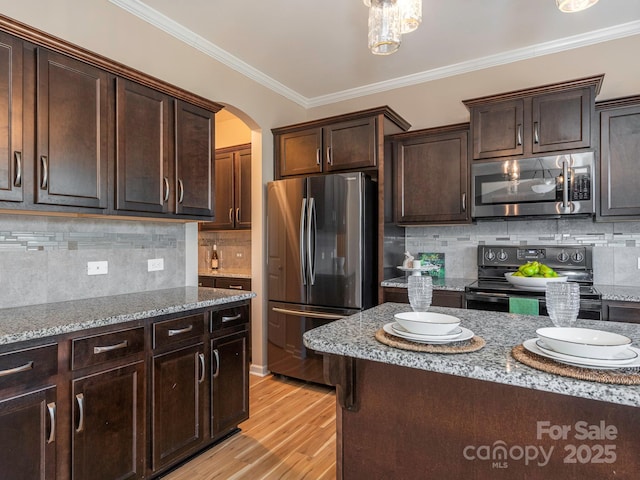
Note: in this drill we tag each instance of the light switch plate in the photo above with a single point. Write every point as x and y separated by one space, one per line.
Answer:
97 268
155 264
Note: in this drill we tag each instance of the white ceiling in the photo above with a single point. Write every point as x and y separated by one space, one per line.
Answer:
314 52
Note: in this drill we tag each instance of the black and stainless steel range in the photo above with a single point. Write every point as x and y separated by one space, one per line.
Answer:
492 290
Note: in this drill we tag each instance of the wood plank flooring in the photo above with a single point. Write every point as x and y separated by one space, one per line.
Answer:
290 435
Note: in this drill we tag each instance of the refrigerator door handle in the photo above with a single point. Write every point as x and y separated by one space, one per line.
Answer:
303 269
301 313
311 245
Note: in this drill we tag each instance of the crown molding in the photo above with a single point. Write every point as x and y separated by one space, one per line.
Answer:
157 19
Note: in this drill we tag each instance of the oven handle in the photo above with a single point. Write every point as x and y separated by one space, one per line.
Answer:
488 297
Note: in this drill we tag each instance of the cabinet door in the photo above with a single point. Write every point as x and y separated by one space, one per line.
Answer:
11 166
498 129
143 143
431 179
109 423
229 383
224 206
72 121
242 185
195 141
561 121
619 161
621 312
350 145
300 153
28 436
178 404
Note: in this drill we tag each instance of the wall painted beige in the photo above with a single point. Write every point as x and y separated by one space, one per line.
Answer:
106 29
230 130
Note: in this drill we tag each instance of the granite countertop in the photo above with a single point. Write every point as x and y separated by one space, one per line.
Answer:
45 320
354 337
225 272
621 293
453 284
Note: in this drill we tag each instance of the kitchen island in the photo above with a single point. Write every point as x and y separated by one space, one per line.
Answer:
404 414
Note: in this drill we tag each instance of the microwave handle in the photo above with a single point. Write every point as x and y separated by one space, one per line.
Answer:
565 186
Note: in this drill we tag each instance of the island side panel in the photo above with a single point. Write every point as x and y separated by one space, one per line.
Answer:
413 424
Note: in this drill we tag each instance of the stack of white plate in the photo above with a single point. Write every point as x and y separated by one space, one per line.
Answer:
585 347
428 327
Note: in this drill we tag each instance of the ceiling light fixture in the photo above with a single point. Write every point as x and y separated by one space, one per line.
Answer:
388 20
571 6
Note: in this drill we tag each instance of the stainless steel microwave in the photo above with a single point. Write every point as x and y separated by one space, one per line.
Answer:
551 186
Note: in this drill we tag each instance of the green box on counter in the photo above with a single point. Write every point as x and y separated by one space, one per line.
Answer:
433 259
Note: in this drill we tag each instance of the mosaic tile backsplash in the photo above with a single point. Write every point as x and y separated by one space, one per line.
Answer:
44 259
234 249
615 254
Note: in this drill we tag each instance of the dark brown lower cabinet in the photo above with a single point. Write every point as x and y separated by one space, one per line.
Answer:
615 311
109 424
229 382
28 436
441 298
177 404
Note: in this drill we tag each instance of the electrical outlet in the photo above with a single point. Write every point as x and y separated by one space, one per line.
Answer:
155 264
97 268
239 255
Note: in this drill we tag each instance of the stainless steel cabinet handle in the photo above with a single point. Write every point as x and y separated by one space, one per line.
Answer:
21 368
300 313
217 360
536 133
165 180
231 215
235 287
519 140
51 408
201 357
329 159
80 401
238 215
17 182
178 331
234 317
109 348
464 202
180 190
317 156
44 181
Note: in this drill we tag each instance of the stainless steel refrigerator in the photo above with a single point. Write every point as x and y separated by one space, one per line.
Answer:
321 247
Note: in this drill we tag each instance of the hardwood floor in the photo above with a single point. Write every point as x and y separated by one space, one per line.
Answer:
291 434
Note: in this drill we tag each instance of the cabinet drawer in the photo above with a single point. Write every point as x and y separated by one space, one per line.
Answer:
229 317
97 349
28 367
177 330
233 283
204 281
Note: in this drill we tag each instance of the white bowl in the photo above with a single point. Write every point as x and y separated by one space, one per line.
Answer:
532 283
584 342
427 323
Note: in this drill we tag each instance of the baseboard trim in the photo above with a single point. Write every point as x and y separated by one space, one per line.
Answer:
259 370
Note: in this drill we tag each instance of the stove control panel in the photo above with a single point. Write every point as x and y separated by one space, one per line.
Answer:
560 256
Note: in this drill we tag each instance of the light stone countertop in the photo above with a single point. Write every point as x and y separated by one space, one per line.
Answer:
354 337
50 319
622 293
225 272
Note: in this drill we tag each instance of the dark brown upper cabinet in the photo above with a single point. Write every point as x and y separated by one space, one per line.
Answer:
11 161
619 160
143 178
72 134
233 189
194 159
430 170
551 118
347 142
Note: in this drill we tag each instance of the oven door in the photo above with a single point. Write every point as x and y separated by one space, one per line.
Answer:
551 186
499 302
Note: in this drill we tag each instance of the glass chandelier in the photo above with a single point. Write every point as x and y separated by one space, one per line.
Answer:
388 20
570 6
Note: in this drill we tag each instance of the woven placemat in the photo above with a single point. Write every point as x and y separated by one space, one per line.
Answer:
466 346
619 377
